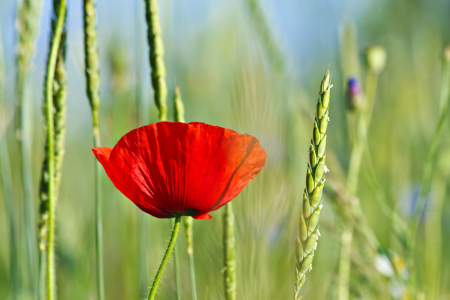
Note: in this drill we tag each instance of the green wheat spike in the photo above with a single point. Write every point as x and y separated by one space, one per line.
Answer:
156 57
27 29
308 229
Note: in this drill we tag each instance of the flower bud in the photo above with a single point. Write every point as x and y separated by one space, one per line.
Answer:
356 100
375 58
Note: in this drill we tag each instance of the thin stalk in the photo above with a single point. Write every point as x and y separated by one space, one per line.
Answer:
177 268
188 228
179 117
92 72
188 221
165 260
51 66
358 148
59 112
271 45
9 208
7 191
429 165
143 224
27 29
156 54
229 247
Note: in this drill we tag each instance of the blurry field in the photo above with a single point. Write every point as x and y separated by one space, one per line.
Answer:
232 73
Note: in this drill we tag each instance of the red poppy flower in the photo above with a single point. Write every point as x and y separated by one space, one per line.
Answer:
170 169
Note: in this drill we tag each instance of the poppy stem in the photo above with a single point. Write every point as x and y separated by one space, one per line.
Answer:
173 238
177 268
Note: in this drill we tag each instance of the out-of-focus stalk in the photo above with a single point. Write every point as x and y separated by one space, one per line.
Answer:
27 28
92 72
7 189
430 163
188 221
270 43
229 247
60 9
156 54
142 119
375 61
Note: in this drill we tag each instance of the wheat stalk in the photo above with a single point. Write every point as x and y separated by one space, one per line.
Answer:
229 245
7 188
27 29
156 54
188 221
92 72
57 35
59 112
306 241
271 45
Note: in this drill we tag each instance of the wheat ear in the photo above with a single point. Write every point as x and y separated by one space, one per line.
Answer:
156 54
306 241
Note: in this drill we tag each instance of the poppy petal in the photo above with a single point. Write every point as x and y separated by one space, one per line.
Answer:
188 169
202 216
124 183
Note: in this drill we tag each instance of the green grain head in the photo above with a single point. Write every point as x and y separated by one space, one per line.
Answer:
308 234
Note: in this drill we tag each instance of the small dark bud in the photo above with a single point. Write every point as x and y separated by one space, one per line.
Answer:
355 94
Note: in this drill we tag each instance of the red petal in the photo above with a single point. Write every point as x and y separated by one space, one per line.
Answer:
124 183
202 217
188 169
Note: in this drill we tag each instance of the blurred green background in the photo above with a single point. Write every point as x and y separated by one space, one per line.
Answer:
255 73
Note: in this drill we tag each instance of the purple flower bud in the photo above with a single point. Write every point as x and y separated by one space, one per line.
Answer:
355 94
354 88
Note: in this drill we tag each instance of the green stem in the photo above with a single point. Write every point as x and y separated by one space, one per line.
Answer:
229 245
177 268
27 29
428 168
144 229
98 223
271 45
188 224
9 208
51 65
165 260
362 125
92 71
7 189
